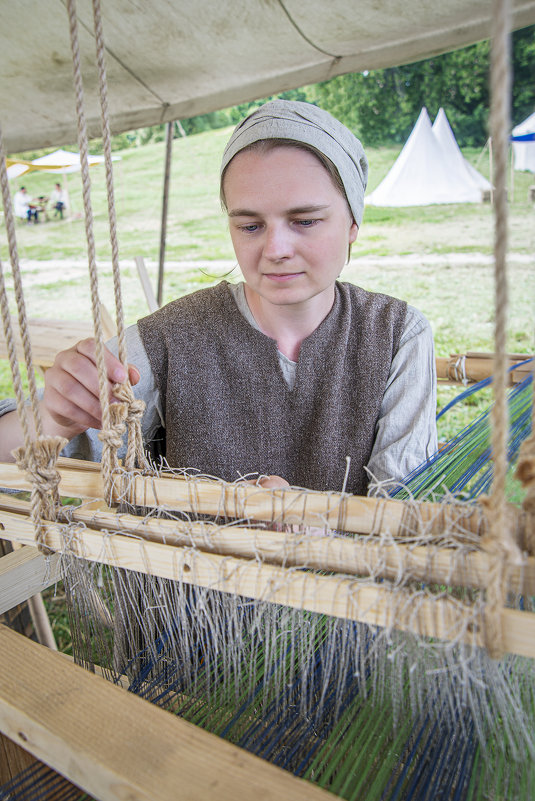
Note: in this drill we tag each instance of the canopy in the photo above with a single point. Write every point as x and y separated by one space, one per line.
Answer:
523 139
61 161
170 60
427 172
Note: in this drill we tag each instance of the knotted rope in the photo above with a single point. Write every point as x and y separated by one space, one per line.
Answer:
499 542
130 408
113 423
39 454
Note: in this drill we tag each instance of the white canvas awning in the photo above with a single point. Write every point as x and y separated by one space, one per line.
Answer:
60 161
170 60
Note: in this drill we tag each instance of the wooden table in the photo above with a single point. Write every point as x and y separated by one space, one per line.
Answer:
48 337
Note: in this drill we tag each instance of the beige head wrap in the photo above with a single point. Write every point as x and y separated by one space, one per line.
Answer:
303 122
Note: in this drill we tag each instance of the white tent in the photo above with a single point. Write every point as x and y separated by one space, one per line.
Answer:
426 173
60 161
523 139
446 137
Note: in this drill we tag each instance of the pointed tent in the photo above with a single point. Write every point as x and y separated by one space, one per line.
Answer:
446 137
424 174
523 139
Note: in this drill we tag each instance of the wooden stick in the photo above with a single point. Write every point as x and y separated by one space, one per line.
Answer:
361 556
126 748
377 605
334 510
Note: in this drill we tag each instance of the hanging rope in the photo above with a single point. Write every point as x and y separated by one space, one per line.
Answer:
132 408
113 425
499 542
39 454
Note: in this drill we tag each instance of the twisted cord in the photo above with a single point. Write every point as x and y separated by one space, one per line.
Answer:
106 141
497 543
13 360
133 410
109 456
19 294
37 457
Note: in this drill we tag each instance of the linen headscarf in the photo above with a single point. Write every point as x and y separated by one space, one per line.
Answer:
303 122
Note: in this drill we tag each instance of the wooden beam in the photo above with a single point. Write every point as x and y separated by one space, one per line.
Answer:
473 366
126 747
352 555
339 596
334 510
24 573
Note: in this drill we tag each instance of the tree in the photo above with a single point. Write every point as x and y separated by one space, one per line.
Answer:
383 105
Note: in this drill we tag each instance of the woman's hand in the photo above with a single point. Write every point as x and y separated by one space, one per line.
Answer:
71 401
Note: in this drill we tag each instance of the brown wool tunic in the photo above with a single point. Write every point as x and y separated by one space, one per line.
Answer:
228 409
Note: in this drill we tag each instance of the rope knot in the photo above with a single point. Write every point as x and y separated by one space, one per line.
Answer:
134 409
38 459
112 437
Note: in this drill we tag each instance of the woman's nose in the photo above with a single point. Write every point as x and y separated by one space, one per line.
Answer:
278 243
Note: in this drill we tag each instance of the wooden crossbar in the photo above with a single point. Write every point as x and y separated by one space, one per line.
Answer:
339 596
334 510
48 336
356 556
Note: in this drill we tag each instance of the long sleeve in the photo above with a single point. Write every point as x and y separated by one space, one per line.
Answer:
406 433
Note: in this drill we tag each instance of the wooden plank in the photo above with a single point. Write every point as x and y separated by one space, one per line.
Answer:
23 573
152 303
354 556
117 746
48 337
335 595
13 759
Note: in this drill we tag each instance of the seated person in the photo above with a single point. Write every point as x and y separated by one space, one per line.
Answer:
58 199
289 372
22 206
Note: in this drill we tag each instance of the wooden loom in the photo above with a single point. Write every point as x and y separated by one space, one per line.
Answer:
37 717
158 756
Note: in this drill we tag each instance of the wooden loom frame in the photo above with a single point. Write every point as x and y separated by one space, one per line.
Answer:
21 721
41 718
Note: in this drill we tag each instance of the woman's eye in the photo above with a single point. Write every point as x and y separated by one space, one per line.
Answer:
249 229
306 223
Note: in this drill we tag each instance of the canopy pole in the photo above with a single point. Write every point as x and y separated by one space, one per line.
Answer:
165 200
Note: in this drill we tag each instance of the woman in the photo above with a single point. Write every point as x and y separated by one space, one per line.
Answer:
291 372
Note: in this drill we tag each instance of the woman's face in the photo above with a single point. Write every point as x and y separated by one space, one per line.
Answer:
290 225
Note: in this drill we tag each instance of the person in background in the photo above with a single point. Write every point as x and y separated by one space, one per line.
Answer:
58 199
23 207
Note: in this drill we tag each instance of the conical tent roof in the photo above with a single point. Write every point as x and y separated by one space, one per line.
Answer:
424 174
524 149
446 137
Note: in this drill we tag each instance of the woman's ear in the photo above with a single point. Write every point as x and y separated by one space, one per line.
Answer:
353 231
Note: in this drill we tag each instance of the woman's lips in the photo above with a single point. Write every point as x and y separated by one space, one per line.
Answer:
281 277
